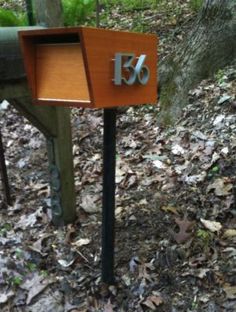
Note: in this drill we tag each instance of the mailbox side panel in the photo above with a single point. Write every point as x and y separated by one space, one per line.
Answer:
100 48
28 50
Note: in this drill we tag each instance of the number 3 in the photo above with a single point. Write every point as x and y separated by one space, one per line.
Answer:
127 73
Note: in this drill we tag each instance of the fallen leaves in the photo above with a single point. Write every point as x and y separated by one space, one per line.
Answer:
66 263
229 233
221 187
184 233
35 285
153 302
230 291
81 242
109 307
171 209
38 245
31 220
212 226
90 203
4 297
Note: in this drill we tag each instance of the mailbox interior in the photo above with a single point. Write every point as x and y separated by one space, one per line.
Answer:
55 67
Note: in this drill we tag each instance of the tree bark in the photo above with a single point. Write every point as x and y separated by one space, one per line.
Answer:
210 46
49 13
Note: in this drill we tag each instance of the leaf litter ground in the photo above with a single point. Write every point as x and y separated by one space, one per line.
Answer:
175 212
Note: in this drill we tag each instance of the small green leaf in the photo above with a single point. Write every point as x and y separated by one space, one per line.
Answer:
215 169
16 280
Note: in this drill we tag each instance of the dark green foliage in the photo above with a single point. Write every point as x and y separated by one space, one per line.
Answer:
10 18
195 5
76 11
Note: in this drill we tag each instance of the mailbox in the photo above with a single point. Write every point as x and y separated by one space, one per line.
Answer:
90 67
96 68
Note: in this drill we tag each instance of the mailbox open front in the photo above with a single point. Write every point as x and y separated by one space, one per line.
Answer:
90 67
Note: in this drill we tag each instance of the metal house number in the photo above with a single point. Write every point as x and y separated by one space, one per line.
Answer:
130 69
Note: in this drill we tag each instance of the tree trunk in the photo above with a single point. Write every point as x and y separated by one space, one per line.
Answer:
210 46
44 10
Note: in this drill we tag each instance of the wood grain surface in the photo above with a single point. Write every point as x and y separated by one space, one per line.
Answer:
60 73
75 66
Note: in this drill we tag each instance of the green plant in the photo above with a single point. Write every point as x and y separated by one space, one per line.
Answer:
16 280
204 240
77 11
213 171
31 266
194 305
204 237
19 253
44 273
11 18
5 228
220 76
196 5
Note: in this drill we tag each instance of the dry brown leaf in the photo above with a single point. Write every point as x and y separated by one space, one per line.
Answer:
66 264
170 209
229 233
212 226
221 187
108 307
153 302
81 242
90 203
6 296
149 304
35 286
184 227
230 291
38 245
70 232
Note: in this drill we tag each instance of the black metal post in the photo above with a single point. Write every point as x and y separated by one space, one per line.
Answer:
3 173
108 212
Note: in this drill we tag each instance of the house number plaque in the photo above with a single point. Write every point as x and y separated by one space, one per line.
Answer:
130 69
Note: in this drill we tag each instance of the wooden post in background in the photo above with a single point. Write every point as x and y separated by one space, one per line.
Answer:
49 13
53 122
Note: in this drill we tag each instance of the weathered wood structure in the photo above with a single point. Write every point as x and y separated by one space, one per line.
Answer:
53 122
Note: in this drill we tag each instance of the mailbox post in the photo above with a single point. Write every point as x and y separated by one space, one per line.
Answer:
95 68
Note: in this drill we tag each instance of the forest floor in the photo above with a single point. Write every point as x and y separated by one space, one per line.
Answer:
175 205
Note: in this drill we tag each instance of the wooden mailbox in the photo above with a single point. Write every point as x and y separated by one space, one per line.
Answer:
89 67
